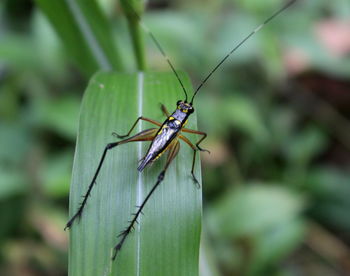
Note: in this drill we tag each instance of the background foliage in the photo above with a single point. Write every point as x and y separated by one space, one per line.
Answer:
276 185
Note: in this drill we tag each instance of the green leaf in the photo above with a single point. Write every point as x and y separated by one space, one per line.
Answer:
85 33
265 218
55 175
60 115
252 210
132 10
300 148
166 241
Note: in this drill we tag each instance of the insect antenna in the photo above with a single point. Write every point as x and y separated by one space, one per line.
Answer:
286 6
155 41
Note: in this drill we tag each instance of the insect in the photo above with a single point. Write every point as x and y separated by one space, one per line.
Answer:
166 137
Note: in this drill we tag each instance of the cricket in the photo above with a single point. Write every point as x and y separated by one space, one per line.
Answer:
165 137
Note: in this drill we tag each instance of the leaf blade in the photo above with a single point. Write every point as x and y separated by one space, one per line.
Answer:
166 242
85 33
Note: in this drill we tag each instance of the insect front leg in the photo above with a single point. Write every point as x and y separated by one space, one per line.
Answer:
146 135
188 142
164 110
200 140
173 149
134 125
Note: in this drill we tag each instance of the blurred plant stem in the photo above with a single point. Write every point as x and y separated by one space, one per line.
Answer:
136 32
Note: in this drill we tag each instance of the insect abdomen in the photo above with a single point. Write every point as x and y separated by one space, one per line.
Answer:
161 141
147 159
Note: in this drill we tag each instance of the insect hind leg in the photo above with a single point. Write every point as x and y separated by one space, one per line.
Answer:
123 235
93 182
146 135
173 150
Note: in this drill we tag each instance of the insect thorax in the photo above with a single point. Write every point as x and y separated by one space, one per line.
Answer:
179 116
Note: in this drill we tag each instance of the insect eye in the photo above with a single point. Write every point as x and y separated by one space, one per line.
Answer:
178 102
191 110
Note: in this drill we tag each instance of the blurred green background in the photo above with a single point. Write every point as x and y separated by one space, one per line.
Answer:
277 181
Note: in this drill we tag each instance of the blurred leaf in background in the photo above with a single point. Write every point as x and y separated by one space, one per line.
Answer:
85 32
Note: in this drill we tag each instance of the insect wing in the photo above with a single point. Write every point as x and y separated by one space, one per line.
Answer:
159 144
162 140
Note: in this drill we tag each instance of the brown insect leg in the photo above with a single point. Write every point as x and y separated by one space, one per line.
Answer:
188 142
165 110
134 125
200 140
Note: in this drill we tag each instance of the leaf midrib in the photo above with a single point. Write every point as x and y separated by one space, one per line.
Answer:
140 91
